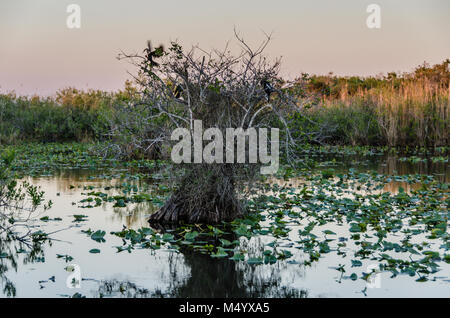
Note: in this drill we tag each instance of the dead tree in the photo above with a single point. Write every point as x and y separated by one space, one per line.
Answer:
223 91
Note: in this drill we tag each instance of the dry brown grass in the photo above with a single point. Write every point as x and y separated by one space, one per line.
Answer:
416 112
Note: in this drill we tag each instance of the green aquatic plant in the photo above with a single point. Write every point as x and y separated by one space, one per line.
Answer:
371 222
302 217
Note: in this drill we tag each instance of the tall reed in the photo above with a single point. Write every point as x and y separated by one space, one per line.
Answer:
415 112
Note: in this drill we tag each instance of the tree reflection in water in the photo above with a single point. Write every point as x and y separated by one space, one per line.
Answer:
210 278
14 251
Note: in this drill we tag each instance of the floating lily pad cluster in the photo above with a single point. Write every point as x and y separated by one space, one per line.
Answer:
130 193
300 217
403 232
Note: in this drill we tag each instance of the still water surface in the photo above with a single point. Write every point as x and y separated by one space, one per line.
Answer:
164 273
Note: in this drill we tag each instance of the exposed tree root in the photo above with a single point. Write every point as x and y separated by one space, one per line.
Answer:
206 195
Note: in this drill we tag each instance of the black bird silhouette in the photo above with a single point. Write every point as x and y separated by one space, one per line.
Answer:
152 54
177 91
268 88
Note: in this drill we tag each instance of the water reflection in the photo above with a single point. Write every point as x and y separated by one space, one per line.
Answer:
391 165
16 253
162 273
208 277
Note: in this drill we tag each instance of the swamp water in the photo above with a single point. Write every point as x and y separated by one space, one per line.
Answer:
165 272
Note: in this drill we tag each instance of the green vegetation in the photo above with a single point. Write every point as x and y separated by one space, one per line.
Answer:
15 196
406 233
301 217
319 207
395 110
408 109
18 202
72 115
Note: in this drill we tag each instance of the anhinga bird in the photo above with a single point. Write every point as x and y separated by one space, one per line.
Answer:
268 88
177 91
151 54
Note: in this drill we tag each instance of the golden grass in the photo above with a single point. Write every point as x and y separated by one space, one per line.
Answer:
415 110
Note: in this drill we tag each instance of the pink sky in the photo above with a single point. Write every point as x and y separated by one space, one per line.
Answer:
39 54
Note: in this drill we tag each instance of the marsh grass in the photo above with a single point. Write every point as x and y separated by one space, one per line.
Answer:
414 112
70 115
410 109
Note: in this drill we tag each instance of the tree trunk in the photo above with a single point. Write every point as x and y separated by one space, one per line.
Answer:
206 195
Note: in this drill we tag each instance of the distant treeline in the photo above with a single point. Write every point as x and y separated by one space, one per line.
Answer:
409 109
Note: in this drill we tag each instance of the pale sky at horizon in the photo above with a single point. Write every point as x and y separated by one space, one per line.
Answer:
39 54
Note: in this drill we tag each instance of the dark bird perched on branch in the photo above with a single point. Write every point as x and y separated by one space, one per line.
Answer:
152 54
268 88
177 91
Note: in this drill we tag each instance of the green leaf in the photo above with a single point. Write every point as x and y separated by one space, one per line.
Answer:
79 217
356 263
98 236
255 261
354 227
220 253
190 236
447 258
167 237
238 257
225 242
